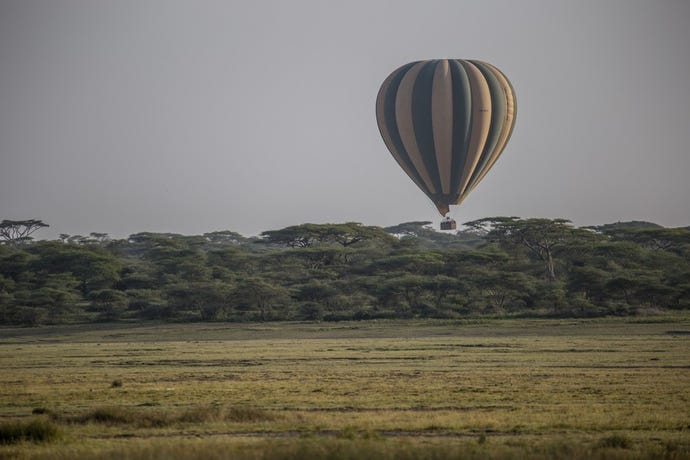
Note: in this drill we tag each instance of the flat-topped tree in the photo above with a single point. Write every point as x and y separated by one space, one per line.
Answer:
542 237
19 231
676 240
307 235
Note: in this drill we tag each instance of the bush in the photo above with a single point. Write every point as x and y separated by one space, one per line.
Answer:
110 415
156 419
227 414
121 416
616 441
35 431
247 414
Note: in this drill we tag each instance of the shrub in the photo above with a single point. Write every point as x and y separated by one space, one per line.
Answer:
157 419
122 416
35 430
200 415
226 414
617 441
247 414
110 415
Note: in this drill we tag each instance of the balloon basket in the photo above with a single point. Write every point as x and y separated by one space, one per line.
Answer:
448 224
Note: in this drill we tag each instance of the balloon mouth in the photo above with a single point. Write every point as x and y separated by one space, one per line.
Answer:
443 202
443 209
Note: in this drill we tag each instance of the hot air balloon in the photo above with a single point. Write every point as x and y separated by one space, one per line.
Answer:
446 122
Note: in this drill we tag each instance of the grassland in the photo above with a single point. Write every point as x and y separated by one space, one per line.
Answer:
605 388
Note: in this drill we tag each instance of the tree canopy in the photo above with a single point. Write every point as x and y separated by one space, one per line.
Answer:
496 266
19 231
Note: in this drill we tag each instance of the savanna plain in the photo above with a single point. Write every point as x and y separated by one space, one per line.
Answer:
608 388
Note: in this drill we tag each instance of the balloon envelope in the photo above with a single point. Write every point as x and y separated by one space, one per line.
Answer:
446 122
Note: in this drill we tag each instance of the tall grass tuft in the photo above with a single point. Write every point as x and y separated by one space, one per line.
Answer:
239 414
122 416
38 430
143 418
296 449
247 414
616 441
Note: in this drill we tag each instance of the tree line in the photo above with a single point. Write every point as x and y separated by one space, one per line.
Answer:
504 266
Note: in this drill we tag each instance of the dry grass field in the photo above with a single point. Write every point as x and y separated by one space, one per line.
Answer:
607 388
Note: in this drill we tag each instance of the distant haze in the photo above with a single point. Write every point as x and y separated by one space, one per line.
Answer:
195 116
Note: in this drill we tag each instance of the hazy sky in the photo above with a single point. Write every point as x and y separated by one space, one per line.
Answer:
195 116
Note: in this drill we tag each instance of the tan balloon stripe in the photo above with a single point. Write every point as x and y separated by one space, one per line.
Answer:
385 134
509 117
442 122
481 121
403 117
507 125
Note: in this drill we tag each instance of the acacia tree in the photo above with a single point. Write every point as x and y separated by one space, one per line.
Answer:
19 231
307 235
94 266
676 240
352 232
260 295
542 237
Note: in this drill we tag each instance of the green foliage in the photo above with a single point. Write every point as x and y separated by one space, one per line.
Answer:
260 296
427 237
109 303
543 238
496 266
307 235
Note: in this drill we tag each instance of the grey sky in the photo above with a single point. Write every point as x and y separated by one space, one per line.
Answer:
194 116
